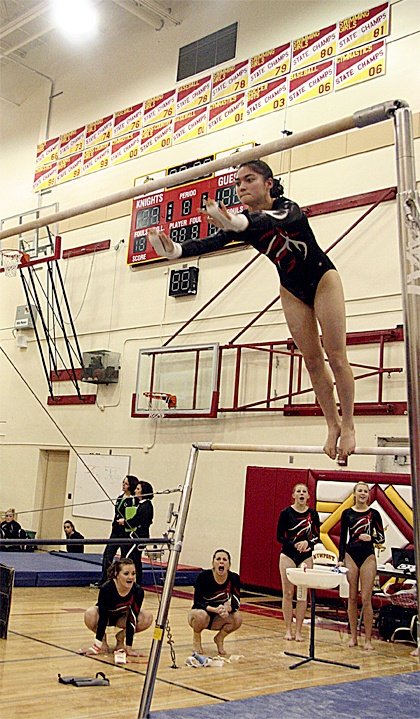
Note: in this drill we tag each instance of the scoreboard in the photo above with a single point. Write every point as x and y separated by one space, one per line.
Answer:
176 211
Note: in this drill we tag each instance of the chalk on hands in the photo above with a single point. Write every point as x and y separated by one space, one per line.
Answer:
224 219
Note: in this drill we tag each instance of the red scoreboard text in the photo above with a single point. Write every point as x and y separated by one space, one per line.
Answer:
176 211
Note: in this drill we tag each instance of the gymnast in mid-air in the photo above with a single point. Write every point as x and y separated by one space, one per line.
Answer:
311 290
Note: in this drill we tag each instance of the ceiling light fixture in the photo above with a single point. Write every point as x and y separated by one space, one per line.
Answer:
75 18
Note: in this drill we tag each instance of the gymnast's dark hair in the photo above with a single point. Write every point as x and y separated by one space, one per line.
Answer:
261 168
224 552
117 566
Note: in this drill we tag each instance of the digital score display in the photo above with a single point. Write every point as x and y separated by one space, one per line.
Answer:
183 282
176 211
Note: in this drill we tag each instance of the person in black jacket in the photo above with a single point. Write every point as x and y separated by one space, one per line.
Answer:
124 500
139 525
298 532
119 605
311 289
11 529
216 603
71 533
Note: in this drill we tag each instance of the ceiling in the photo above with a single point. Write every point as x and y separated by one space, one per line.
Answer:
31 44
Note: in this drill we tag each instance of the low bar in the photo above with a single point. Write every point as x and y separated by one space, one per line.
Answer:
296 449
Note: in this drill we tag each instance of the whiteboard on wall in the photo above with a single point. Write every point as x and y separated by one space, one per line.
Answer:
89 496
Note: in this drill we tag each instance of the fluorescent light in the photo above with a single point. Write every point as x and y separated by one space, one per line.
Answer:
75 17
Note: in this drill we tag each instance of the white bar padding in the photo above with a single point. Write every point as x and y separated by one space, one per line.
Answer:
295 449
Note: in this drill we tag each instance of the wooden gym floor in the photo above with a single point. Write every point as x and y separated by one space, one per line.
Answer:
46 629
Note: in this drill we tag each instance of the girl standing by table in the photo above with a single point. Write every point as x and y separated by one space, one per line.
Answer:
361 529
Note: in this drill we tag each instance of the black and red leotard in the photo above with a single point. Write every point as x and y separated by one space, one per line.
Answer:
294 527
354 524
284 235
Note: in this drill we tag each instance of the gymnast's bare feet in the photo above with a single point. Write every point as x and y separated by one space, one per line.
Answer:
347 443
368 647
289 637
299 638
94 650
330 446
219 644
352 643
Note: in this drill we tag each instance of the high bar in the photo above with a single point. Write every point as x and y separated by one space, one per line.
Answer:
296 449
359 119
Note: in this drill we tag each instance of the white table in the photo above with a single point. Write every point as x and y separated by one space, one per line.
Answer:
317 578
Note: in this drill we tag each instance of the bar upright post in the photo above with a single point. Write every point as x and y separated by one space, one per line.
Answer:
162 616
409 244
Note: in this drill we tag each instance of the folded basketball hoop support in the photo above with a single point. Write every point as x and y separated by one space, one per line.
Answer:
52 318
409 243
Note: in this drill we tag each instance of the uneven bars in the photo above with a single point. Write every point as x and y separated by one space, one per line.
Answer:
296 449
361 118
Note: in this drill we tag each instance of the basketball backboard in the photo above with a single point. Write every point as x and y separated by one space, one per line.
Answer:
177 381
39 244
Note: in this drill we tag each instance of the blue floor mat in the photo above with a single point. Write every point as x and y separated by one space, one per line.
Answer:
393 697
65 569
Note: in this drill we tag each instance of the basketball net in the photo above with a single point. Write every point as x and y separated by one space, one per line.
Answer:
155 412
11 260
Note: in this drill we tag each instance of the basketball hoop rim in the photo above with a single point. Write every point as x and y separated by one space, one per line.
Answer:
16 256
12 259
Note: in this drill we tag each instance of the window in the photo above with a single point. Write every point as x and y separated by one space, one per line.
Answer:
211 50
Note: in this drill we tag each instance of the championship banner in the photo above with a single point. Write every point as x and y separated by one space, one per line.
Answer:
45 176
125 148
314 47
226 113
128 120
364 27
193 95
232 79
156 137
99 131
72 142
47 151
69 168
161 107
270 64
269 97
190 125
311 82
96 158
365 63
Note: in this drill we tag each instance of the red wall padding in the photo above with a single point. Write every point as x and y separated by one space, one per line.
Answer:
268 491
